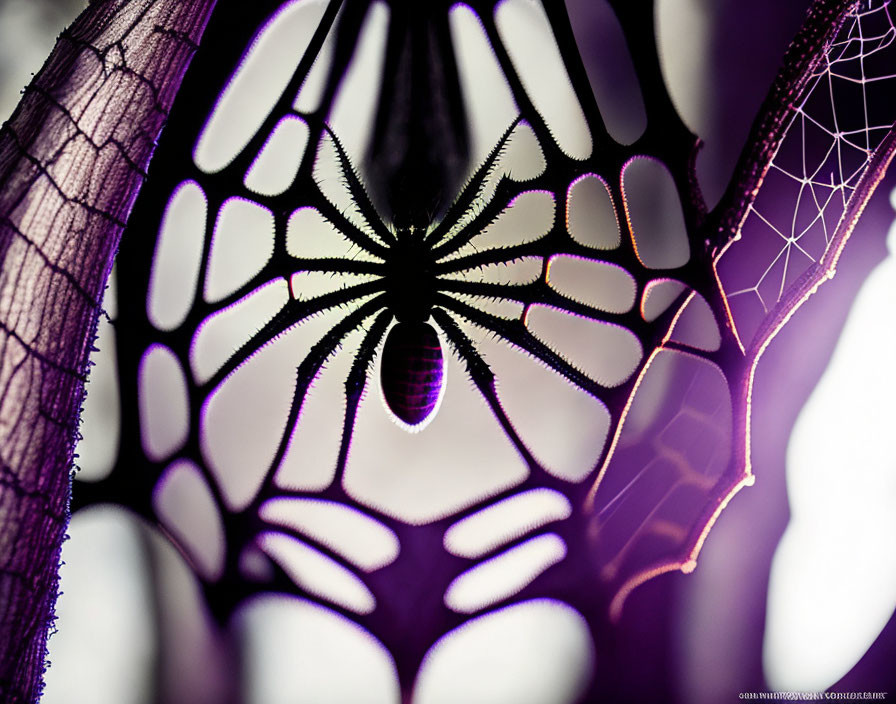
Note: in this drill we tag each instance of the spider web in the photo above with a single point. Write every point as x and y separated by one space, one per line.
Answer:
644 527
235 479
829 144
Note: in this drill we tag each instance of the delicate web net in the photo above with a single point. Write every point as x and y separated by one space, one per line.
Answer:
534 275
671 412
830 141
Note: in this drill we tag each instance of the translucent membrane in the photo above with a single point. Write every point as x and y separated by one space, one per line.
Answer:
500 307
518 271
536 651
329 175
505 575
526 32
607 353
563 426
419 477
309 235
297 652
310 460
359 538
522 158
242 244
677 434
654 211
257 84
277 164
163 402
489 104
177 257
598 284
527 217
608 63
659 294
590 217
318 574
308 285
697 326
244 418
504 521
186 507
223 333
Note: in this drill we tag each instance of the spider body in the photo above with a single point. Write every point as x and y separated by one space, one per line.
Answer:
410 278
412 369
412 373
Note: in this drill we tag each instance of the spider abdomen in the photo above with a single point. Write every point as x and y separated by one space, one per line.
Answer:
413 371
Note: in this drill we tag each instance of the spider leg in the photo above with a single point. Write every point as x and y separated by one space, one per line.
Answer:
483 377
515 332
500 201
309 369
471 190
294 312
335 265
355 383
358 192
494 255
532 292
348 230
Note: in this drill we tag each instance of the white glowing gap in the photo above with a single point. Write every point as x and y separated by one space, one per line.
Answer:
489 104
505 575
297 652
526 32
654 211
257 84
590 217
504 521
178 255
317 573
607 353
242 243
163 403
359 538
224 332
277 164
186 507
421 477
536 652
833 581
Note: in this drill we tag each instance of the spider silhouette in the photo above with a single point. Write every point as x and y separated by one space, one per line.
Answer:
522 294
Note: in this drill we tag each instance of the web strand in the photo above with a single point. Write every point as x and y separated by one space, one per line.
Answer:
828 146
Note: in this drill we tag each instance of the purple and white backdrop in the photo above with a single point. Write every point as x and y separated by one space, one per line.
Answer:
437 352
